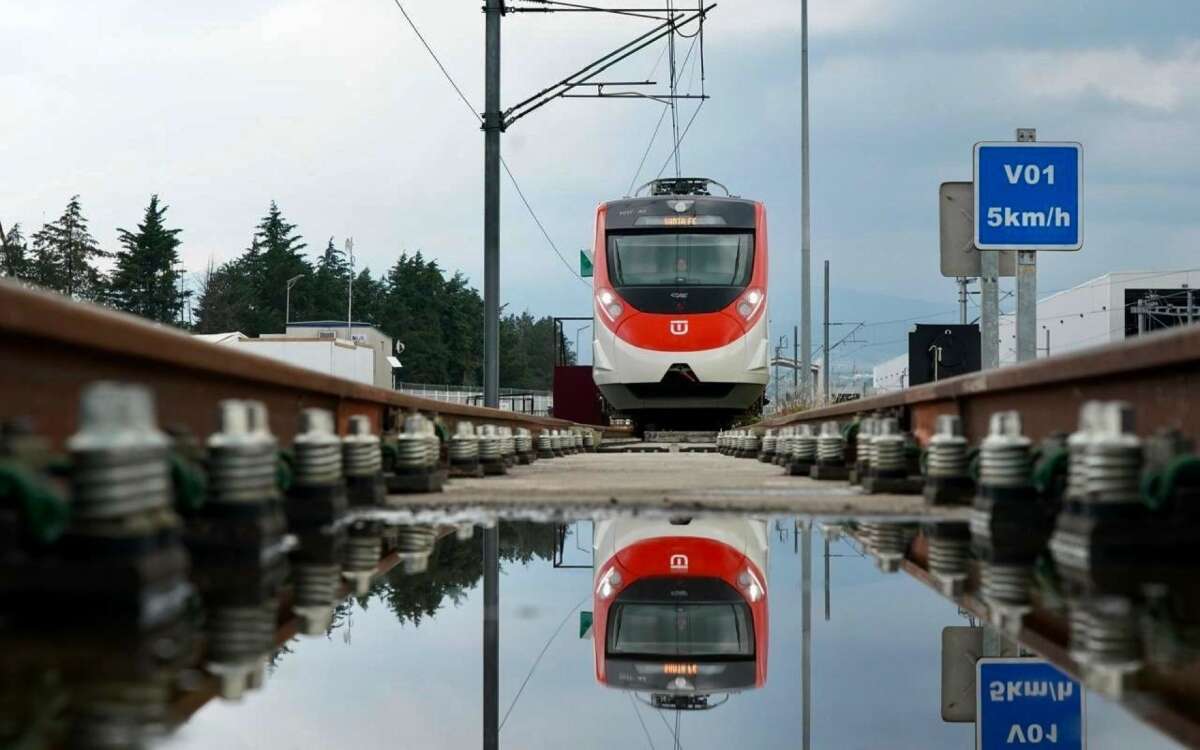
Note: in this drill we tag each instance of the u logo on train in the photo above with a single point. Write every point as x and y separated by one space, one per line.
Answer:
680 303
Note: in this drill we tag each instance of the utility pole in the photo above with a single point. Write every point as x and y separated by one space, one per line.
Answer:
350 291
492 127
805 230
795 359
962 299
1026 286
825 348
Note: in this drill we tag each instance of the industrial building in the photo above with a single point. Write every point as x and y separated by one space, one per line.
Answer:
363 334
358 352
1107 309
1101 311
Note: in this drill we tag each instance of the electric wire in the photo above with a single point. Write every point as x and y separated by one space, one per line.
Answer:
681 137
661 118
512 178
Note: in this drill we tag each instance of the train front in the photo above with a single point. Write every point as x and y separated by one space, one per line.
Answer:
680 608
680 305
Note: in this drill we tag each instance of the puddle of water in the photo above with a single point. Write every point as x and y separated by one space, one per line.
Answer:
700 638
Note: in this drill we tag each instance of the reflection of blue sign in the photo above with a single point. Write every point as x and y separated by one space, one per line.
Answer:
1028 196
1027 703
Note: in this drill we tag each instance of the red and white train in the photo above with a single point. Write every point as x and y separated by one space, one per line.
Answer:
680 608
680 304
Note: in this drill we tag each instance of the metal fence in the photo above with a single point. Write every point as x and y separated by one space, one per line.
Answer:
520 400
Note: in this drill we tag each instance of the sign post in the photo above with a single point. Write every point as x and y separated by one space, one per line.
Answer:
1027 703
961 259
1028 198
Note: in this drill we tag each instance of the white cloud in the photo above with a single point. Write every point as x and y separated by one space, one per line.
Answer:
1122 76
825 17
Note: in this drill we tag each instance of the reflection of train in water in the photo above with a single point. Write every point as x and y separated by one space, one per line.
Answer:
680 300
680 607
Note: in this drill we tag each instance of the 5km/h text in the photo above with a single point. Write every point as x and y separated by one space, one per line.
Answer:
1054 216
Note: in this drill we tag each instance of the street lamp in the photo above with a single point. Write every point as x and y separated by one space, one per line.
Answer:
577 332
287 305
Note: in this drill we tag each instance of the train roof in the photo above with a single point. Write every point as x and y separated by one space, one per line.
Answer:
678 203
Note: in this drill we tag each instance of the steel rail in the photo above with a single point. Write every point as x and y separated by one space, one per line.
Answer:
51 347
1158 373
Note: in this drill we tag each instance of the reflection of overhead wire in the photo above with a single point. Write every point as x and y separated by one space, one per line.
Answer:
538 660
674 732
638 713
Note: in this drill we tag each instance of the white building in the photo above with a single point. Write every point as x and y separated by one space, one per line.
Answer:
364 334
1104 310
891 375
1096 312
329 356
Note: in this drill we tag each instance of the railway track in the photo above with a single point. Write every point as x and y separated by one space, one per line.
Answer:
139 461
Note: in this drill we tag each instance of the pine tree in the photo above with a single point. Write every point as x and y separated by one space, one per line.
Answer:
147 278
274 257
14 253
327 289
226 294
64 252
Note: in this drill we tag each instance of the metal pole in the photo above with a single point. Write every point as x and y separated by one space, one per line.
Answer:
1189 304
1047 341
805 230
287 308
962 300
492 127
1026 305
989 308
825 347
796 359
806 631
1026 288
350 291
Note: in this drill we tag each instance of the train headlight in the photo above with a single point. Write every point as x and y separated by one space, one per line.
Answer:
610 304
609 583
749 583
750 303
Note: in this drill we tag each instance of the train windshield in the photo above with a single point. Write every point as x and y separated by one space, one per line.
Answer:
674 259
717 629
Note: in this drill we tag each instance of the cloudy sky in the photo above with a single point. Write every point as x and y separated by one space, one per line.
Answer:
333 109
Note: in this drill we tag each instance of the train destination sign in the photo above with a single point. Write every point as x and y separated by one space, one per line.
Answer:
1028 196
1027 703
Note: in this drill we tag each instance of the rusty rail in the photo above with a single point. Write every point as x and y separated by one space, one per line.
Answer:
51 347
1158 373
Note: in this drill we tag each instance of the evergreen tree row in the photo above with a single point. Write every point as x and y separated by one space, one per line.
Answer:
439 317
62 256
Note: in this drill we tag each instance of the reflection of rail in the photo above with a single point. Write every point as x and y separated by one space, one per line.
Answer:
1167 702
188 702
